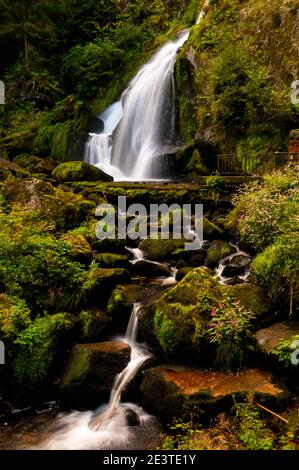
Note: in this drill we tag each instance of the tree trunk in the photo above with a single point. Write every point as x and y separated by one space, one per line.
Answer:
26 49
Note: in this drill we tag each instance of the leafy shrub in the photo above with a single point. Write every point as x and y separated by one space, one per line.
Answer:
215 182
251 429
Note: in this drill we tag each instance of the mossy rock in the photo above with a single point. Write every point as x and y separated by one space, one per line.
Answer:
172 391
35 164
111 260
121 303
40 349
108 245
15 316
279 343
100 282
80 249
8 169
252 297
182 272
79 171
217 251
211 230
176 322
64 208
160 249
91 370
94 323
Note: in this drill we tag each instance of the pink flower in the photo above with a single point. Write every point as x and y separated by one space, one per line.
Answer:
213 312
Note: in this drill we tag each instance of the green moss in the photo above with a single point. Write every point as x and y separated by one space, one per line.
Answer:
95 323
111 260
14 317
78 171
80 249
251 429
159 249
39 346
285 350
252 297
217 251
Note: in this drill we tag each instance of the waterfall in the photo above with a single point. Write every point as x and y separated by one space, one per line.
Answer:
140 129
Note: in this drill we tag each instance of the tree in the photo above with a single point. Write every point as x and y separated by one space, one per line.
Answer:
27 22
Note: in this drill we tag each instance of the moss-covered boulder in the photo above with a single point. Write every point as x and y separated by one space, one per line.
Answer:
79 171
176 322
172 391
100 282
80 249
211 230
217 251
94 324
14 317
63 208
279 343
252 297
90 371
155 249
39 354
121 303
112 260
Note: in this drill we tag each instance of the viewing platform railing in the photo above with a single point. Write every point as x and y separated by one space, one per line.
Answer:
257 165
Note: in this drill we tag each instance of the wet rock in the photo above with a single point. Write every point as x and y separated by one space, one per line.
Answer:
232 271
90 371
79 171
168 390
150 269
35 164
280 344
236 265
8 168
131 417
198 259
217 251
182 272
182 264
94 324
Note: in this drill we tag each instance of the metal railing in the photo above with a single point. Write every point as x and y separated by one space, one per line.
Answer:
257 165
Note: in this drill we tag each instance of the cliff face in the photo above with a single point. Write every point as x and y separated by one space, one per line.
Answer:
234 78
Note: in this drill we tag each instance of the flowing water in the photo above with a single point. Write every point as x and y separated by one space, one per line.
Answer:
140 129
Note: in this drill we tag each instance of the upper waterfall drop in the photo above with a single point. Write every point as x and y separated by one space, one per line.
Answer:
141 128
148 125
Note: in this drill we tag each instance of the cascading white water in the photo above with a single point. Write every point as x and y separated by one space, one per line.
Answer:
140 129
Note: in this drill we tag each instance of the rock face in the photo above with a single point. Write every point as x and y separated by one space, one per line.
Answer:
8 168
95 323
167 389
280 343
160 249
252 297
91 370
121 303
79 171
100 283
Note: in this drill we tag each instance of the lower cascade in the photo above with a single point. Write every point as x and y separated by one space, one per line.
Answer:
112 426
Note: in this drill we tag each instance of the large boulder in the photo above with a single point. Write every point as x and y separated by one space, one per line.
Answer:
36 165
280 344
150 269
217 251
91 370
172 391
211 230
79 171
8 168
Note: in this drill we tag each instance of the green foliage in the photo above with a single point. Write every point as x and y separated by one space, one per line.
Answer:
14 317
251 429
38 346
229 329
284 349
215 182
